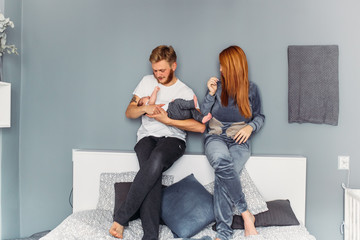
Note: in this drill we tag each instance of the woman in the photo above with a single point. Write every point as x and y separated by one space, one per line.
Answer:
235 105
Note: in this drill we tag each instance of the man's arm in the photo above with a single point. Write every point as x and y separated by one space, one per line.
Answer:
188 124
135 111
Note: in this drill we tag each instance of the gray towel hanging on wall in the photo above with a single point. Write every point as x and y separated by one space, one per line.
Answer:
313 93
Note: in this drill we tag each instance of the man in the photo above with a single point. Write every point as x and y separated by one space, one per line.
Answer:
160 142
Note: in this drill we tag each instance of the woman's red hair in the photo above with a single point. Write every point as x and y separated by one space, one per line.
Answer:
234 79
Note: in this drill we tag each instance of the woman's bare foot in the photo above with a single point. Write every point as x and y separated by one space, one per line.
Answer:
249 223
117 230
206 118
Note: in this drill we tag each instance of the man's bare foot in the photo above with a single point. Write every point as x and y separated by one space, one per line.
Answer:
206 118
249 223
195 101
117 230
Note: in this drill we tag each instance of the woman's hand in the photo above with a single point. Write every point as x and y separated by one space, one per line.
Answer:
243 134
212 85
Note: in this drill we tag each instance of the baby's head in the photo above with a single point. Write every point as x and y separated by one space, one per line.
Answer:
143 101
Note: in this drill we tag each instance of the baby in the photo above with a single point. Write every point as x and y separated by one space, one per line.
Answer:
178 109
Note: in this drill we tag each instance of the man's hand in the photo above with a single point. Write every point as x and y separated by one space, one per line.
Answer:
243 134
153 109
135 111
160 115
186 125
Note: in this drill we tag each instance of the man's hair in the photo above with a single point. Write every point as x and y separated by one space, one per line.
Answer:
163 52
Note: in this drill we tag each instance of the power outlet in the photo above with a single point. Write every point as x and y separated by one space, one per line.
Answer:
343 162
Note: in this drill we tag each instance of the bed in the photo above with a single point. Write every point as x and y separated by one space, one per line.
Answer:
95 171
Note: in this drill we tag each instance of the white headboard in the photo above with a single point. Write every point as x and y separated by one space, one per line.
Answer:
277 177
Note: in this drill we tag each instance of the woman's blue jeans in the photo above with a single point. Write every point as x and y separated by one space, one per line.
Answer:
228 159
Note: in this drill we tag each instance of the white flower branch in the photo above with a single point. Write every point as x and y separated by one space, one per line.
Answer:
4 23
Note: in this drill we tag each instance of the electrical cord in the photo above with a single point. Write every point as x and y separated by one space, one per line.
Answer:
70 198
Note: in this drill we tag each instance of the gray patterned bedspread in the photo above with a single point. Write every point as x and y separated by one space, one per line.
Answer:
35 236
95 225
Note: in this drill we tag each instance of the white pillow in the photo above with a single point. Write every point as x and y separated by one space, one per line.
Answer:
255 201
107 192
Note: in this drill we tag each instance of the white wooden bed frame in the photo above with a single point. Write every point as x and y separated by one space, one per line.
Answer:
276 177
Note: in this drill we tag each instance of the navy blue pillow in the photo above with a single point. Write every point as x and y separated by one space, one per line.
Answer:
187 207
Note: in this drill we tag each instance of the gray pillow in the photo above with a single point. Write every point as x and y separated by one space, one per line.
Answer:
255 201
107 192
280 214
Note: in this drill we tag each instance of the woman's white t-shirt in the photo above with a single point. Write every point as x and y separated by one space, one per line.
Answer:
150 126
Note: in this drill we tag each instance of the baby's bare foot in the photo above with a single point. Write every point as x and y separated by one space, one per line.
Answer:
117 230
195 101
207 118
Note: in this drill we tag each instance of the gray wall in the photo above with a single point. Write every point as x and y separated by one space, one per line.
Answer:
9 158
81 60
1 10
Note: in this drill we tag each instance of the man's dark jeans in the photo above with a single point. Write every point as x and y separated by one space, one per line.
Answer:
155 155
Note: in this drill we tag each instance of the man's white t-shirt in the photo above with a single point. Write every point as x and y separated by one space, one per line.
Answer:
150 126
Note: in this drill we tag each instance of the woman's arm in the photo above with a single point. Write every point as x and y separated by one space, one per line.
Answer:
209 100
258 118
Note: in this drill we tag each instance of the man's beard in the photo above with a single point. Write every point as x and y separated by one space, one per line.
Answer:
169 78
